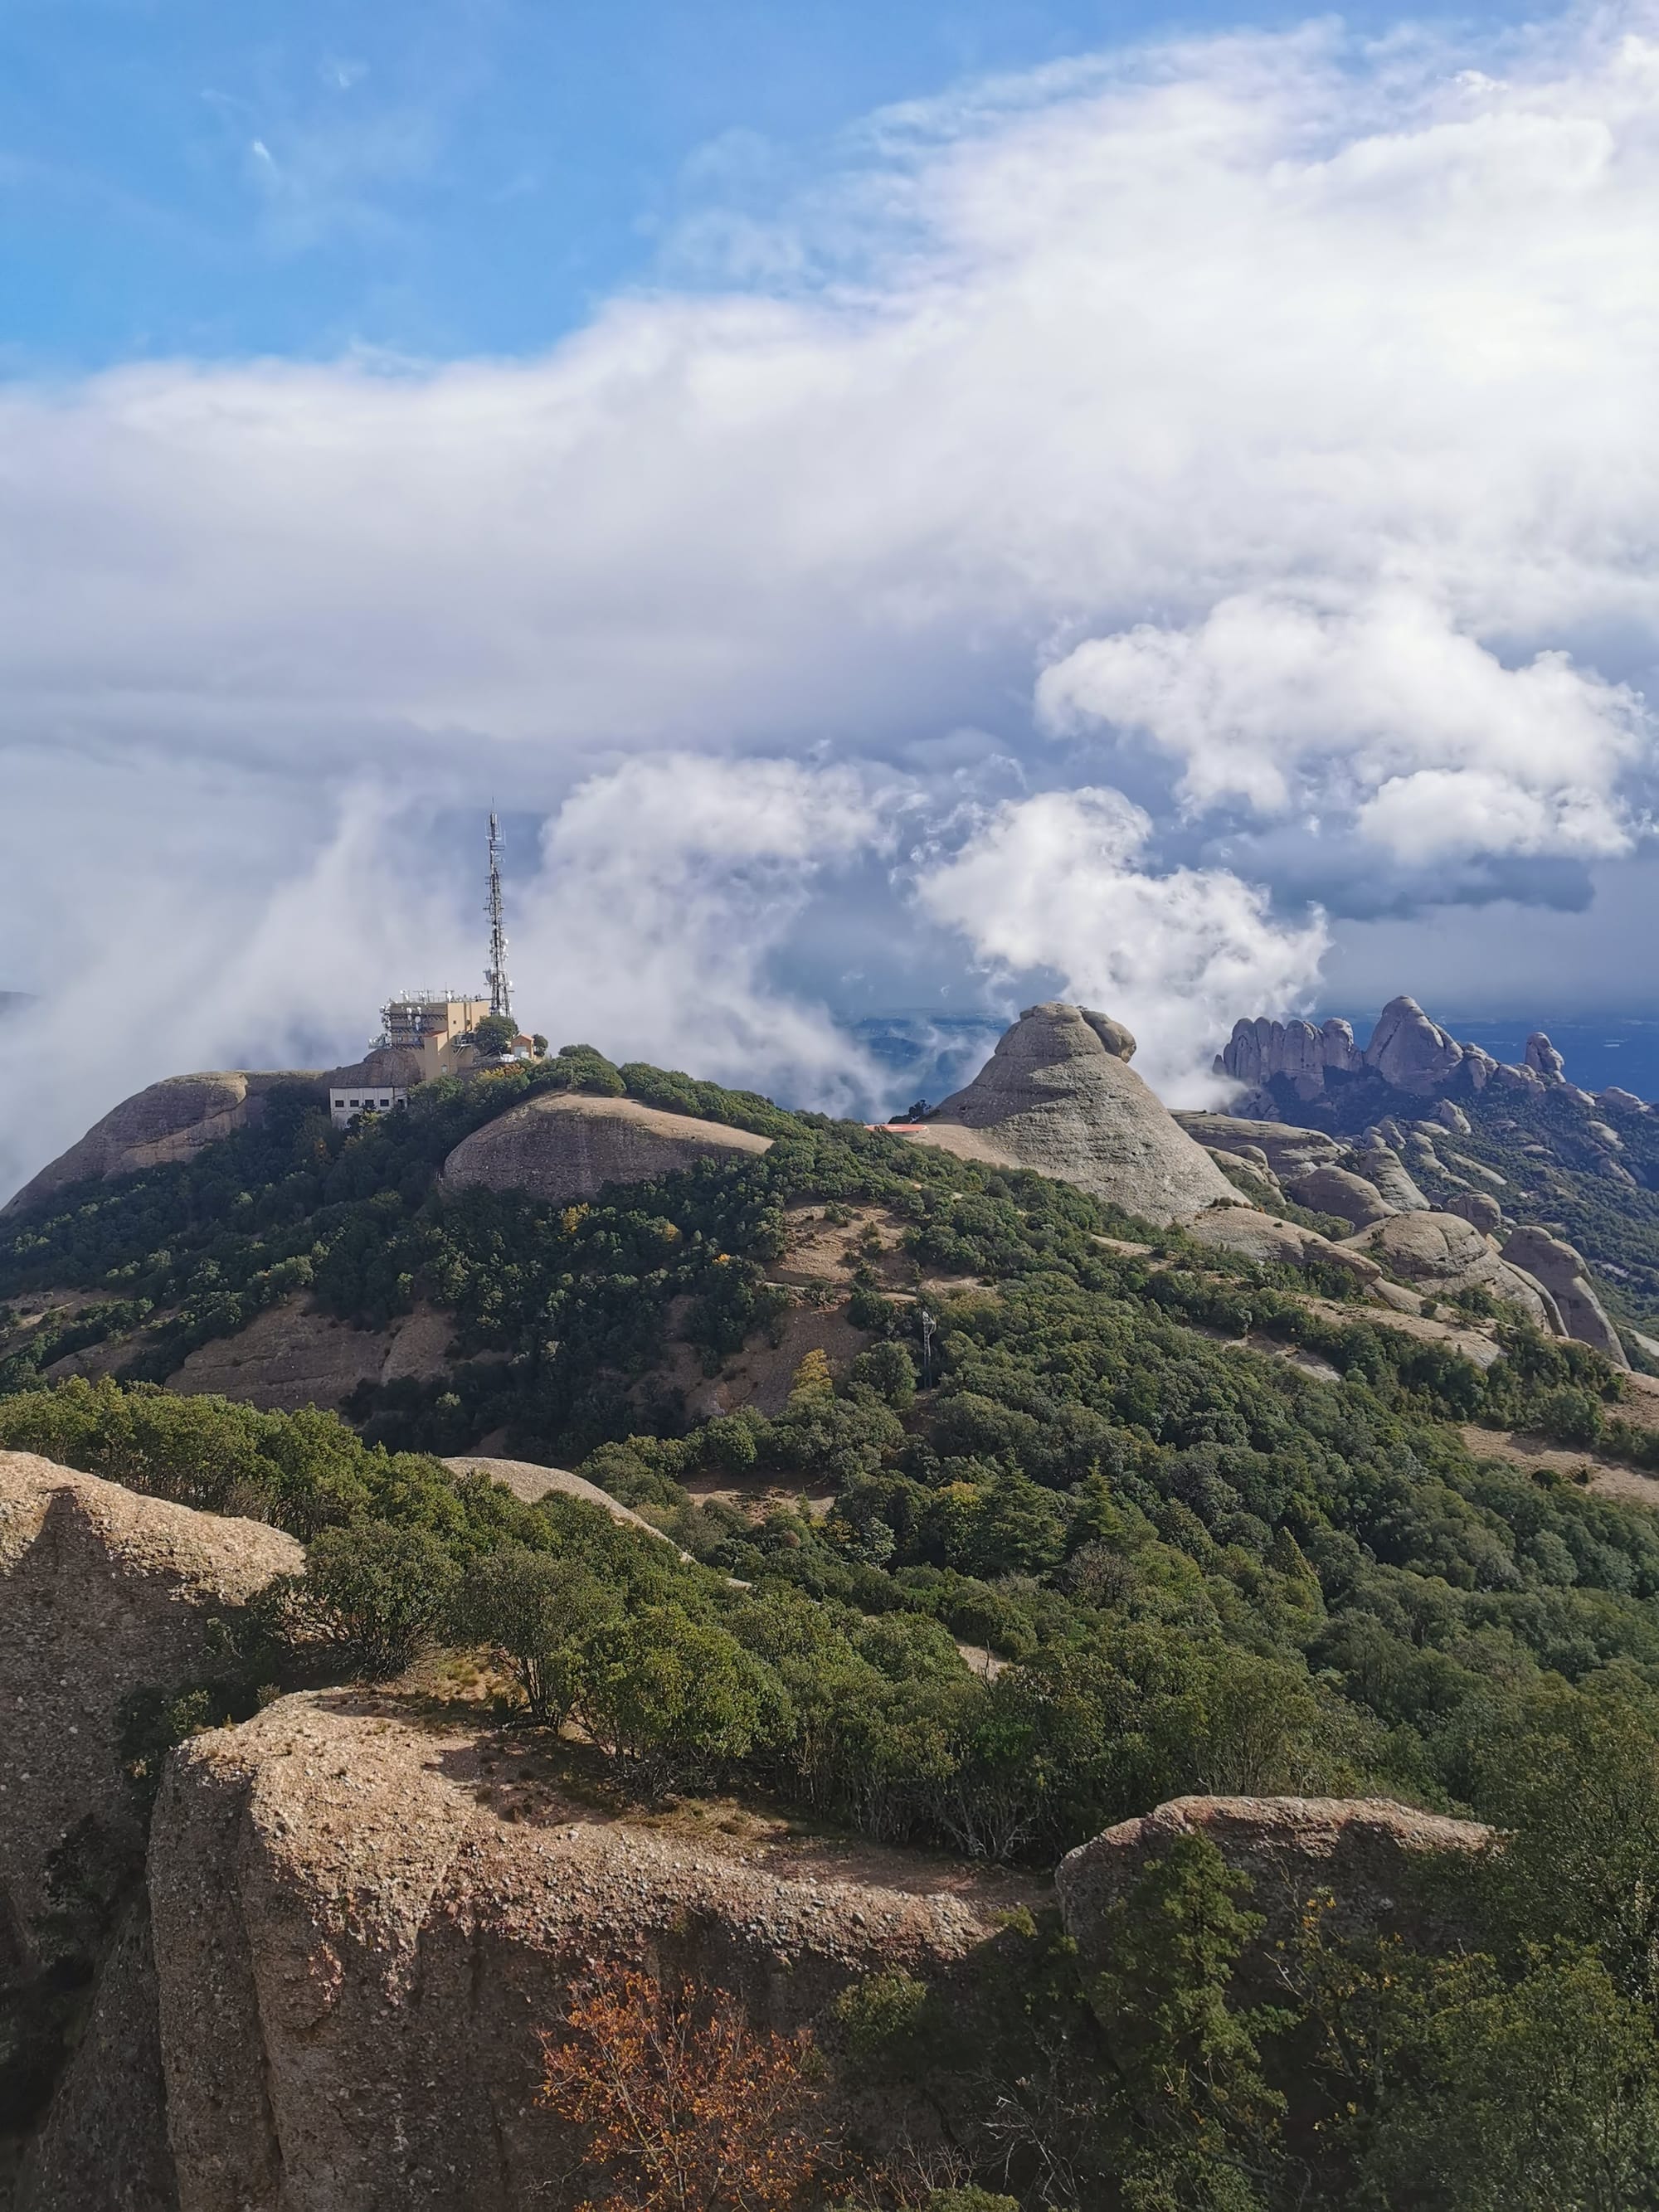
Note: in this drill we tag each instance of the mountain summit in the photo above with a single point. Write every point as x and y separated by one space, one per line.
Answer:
1058 1096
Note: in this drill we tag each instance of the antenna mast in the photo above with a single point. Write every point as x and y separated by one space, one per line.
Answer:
500 990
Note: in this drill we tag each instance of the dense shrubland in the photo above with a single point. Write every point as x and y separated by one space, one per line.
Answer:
1199 1567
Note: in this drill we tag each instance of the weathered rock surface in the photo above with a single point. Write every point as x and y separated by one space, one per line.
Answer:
1544 1059
363 1917
1560 1268
1263 1237
1340 1192
1442 1251
1382 1166
170 1121
1053 1097
565 1145
1482 1209
1259 1049
1287 1150
1370 1853
104 2145
293 1354
1409 1051
102 1592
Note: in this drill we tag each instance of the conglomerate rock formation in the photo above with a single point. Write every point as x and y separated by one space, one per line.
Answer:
178 1117
566 1145
362 1917
1555 1264
1059 1096
102 1592
1368 1853
363 1914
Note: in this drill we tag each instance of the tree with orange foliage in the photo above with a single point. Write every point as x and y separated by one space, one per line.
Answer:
689 2108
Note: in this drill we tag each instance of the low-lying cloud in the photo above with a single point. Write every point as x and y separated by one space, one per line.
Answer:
1259 428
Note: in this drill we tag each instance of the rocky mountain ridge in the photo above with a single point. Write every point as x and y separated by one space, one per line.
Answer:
355 1912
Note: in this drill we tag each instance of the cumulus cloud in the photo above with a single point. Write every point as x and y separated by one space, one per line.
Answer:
1287 401
1059 883
1376 707
668 888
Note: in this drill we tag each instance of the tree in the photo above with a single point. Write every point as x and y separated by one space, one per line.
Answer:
679 1697
494 1034
540 1611
688 2107
380 1590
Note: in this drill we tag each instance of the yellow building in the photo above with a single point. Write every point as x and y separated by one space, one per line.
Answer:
431 1023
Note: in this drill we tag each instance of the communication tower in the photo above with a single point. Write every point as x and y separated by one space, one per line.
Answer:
500 990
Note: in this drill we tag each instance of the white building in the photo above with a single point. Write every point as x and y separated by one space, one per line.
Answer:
346 1101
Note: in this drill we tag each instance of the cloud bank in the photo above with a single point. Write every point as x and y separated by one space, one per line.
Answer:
1120 511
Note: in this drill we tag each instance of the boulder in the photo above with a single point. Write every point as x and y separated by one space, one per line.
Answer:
1479 1207
102 1592
1054 1098
1375 1857
564 1146
1450 1115
1339 1191
1409 1051
1117 1040
1544 1059
1440 1253
365 1912
1287 1150
1265 1238
1553 1262
1378 1164
1615 1101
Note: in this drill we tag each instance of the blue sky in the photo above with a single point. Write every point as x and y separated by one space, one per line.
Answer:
903 507
436 177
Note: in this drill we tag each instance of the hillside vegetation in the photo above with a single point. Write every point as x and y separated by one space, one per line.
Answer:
1196 1566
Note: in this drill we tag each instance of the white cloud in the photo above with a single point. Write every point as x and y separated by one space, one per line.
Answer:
1292 399
668 887
1058 882
1374 706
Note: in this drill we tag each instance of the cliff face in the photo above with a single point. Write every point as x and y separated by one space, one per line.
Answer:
565 1146
362 1920
1407 1053
1059 1096
364 1913
102 1592
1370 1853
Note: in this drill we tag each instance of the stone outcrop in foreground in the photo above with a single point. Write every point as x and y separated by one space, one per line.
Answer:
102 1592
362 1922
363 1913
565 1146
1058 1096
1369 1852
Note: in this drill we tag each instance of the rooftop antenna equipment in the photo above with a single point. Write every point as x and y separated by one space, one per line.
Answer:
500 990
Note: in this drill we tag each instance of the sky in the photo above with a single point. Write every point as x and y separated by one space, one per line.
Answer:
903 508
